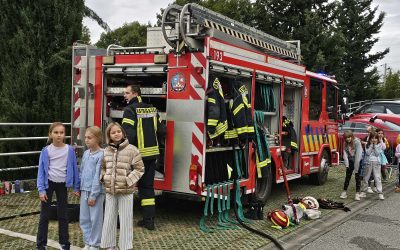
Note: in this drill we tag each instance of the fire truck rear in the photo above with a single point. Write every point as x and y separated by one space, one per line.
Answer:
181 61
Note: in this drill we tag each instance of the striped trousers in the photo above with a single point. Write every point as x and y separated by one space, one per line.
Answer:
122 205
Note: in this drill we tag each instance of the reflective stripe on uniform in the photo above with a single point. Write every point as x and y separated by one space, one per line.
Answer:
230 134
149 151
212 100
246 102
293 144
129 121
140 136
148 202
212 122
238 108
155 123
221 128
250 129
241 130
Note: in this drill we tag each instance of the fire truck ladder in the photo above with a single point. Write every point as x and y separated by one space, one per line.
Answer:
82 92
191 23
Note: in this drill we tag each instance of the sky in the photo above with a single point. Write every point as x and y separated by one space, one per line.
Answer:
118 12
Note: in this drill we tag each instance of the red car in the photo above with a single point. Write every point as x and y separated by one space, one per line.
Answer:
384 117
390 124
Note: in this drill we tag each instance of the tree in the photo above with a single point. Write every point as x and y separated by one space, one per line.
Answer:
88 12
85 38
359 25
310 21
35 73
132 34
391 87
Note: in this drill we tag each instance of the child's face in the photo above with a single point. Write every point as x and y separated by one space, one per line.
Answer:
58 134
348 139
90 140
374 140
380 134
116 134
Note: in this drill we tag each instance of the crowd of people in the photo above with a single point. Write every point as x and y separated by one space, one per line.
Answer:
367 159
106 179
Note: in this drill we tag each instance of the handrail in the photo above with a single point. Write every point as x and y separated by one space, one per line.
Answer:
30 123
17 168
22 138
20 153
26 138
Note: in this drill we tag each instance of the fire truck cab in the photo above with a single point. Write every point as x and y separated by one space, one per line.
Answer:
175 69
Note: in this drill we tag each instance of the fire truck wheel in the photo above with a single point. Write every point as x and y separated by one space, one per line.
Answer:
264 186
322 176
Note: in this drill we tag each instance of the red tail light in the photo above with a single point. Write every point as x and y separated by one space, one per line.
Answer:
193 178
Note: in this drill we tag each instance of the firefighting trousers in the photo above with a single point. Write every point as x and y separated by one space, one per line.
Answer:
146 189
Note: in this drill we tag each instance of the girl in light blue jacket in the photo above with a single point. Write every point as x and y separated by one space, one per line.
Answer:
92 193
57 171
373 161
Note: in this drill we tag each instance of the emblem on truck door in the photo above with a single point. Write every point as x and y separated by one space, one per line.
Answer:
178 82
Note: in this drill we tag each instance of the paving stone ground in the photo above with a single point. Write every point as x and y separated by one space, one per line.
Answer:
177 224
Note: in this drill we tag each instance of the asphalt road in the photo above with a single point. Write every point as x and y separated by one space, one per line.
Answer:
376 226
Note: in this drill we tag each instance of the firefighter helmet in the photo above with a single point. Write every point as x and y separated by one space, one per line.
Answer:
311 202
279 218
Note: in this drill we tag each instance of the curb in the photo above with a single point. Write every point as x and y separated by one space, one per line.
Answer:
309 232
50 243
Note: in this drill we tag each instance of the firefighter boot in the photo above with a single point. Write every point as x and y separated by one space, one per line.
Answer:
260 211
252 213
147 223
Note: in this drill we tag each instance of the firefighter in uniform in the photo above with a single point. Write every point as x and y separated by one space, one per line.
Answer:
142 124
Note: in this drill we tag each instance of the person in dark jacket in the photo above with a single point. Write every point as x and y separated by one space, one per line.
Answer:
142 124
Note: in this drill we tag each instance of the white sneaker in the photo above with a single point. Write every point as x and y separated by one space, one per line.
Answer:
357 197
381 197
94 248
369 190
87 247
363 195
343 195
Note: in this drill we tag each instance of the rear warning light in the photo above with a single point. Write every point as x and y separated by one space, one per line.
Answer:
193 178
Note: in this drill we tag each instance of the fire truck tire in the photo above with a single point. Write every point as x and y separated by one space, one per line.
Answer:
264 186
322 176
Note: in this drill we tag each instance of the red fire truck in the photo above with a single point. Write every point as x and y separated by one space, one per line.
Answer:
193 46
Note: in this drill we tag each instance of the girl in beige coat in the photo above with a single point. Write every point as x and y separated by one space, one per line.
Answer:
121 170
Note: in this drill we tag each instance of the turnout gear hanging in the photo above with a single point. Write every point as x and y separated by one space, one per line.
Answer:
263 156
216 113
240 109
289 140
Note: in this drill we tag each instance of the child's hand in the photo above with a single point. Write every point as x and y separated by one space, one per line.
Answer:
91 202
43 197
77 194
